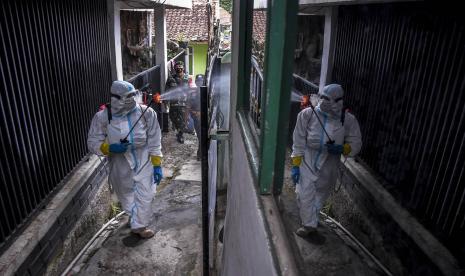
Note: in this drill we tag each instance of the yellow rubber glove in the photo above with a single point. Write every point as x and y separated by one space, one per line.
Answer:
296 161
156 160
105 148
346 149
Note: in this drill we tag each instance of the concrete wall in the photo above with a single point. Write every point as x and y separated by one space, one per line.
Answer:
160 43
114 34
96 214
248 247
328 46
246 250
388 231
63 226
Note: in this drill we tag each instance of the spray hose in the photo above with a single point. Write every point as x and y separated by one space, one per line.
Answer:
330 141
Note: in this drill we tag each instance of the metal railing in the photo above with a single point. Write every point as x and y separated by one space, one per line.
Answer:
150 76
256 88
404 82
300 85
170 63
303 86
54 71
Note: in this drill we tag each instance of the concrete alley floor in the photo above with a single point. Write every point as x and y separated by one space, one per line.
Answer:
176 248
331 251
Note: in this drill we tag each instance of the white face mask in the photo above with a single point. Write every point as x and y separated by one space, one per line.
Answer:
325 106
124 104
330 106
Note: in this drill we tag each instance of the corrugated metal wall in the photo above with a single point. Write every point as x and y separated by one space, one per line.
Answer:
402 66
54 71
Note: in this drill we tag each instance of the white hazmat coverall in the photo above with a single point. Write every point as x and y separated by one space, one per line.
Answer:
319 168
131 172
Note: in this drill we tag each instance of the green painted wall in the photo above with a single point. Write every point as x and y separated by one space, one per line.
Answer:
200 58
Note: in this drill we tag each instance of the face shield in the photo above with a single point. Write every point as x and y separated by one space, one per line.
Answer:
331 100
123 96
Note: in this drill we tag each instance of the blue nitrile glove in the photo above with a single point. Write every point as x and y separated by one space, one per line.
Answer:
119 147
157 174
335 148
295 173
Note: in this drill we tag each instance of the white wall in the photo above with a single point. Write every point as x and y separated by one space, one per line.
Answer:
246 250
246 247
160 43
114 38
328 46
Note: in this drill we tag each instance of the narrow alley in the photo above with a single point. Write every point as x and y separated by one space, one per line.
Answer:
332 138
176 247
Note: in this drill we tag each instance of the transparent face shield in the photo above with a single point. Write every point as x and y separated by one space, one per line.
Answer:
138 97
127 98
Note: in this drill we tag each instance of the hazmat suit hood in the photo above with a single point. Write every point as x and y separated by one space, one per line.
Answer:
122 97
331 101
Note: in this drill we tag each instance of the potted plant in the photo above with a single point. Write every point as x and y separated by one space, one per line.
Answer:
182 40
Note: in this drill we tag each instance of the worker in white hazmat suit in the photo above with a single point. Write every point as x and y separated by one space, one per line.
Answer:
315 158
135 165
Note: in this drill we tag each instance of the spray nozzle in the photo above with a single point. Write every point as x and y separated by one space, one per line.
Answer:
157 98
304 103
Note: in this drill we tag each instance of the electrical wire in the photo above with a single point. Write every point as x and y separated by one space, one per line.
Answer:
359 244
89 243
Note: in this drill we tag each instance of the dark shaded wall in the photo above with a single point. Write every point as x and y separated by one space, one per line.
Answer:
54 72
307 63
402 68
135 48
309 47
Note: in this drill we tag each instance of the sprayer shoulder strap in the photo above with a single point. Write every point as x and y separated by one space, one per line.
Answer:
310 118
108 108
343 117
145 114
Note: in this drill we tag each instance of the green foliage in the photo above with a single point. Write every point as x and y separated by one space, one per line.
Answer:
171 54
115 208
181 37
226 4
145 59
328 209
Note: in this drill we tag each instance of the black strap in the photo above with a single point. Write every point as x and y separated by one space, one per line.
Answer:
343 116
108 108
145 119
115 96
